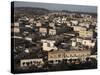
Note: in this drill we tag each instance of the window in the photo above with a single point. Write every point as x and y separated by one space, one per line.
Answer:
51 61
31 62
23 63
48 44
27 63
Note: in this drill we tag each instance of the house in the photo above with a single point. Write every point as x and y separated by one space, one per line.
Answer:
28 38
43 31
64 19
86 24
48 45
79 28
24 18
74 22
83 41
52 32
15 28
28 26
89 43
16 24
46 17
38 24
74 43
88 34
30 62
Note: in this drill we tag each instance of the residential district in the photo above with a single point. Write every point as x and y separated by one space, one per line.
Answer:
55 41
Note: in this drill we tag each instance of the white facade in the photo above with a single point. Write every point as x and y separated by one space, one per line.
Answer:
16 28
28 26
52 32
73 43
16 24
75 22
86 34
86 24
36 62
38 24
88 43
79 28
48 45
28 38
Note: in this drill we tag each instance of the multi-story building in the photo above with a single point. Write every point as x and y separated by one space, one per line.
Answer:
54 57
88 34
29 62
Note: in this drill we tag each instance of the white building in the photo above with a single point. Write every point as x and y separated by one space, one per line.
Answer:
88 34
16 24
28 38
86 24
73 43
48 45
85 42
29 62
74 22
79 28
88 43
38 24
52 32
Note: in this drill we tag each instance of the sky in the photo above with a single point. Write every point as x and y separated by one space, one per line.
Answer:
51 6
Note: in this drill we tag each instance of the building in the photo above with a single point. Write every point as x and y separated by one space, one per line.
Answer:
79 28
89 43
52 32
55 57
43 31
48 45
15 28
51 24
86 24
38 24
88 34
29 62
83 41
74 22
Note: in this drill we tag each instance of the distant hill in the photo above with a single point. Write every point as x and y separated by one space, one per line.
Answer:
30 11
79 12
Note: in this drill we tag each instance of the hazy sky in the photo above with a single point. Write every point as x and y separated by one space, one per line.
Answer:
50 6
